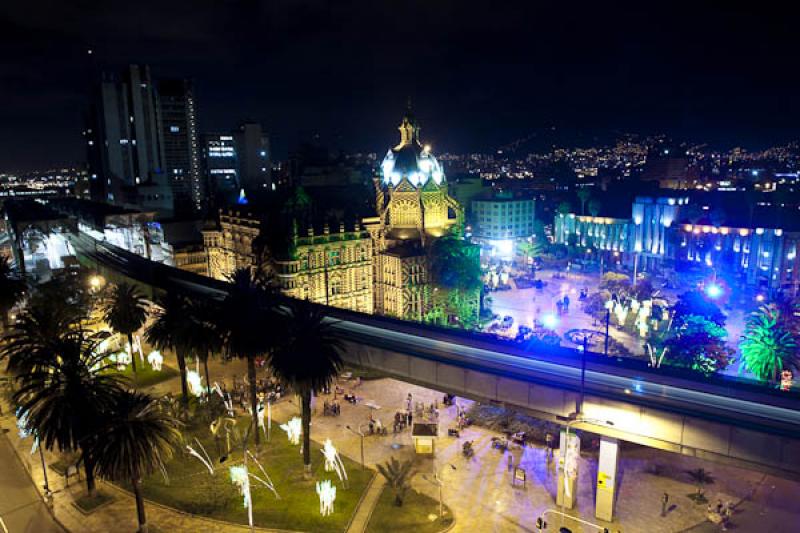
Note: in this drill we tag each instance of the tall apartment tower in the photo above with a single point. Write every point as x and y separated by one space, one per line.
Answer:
142 144
254 156
181 148
125 142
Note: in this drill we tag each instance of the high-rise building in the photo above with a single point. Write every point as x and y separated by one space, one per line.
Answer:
125 142
500 220
254 157
181 150
220 165
143 150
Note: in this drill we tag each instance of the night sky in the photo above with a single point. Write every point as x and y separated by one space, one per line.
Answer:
480 74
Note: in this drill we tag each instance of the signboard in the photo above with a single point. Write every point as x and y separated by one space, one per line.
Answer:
519 475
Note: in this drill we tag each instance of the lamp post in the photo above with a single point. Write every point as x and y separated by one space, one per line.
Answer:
437 479
583 373
360 434
608 320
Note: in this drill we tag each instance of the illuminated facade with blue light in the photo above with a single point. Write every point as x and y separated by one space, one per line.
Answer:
499 222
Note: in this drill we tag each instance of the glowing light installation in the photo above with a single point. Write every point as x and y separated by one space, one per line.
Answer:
205 459
195 382
333 463
226 399
122 359
156 360
293 429
327 495
241 478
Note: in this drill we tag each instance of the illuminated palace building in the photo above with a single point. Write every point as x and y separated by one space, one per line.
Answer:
666 232
379 265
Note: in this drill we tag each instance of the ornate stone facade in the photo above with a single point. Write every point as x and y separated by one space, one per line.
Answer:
413 208
328 268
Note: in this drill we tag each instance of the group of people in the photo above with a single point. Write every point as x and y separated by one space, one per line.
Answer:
331 408
268 390
562 305
720 513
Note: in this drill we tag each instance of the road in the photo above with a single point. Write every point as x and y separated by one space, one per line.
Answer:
719 400
21 508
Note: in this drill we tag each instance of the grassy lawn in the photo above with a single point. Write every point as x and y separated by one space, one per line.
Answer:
415 514
192 489
146 376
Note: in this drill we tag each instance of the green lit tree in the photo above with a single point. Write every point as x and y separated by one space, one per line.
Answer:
455 271
767 345
696 343
594 206
530 250
125 311
696 303
583 196
564 208
136 437
308 361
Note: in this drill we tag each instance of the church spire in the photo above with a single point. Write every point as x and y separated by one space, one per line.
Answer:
409 131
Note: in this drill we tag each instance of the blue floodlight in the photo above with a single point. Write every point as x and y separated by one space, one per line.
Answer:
550 321
714 291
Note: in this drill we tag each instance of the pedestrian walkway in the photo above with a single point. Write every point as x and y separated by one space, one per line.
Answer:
367 505
21 507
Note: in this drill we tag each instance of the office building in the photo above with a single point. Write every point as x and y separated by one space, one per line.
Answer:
220 165
500 220
181 149
254 157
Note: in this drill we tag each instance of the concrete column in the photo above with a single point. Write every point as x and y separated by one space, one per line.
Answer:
569 451
606 478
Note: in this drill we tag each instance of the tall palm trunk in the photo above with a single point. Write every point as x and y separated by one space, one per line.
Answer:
305 398
184 385
205 366
251 376
133 356
88 467
140 515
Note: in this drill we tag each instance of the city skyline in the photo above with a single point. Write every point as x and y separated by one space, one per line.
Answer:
486 77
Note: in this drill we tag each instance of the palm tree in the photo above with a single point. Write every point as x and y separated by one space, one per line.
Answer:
530 249
246 323
135 440
767 345
12 287
206 338
172 330
564 208
125 312
35 336
308 362
701 477
66 392
594 207
584 195
398 476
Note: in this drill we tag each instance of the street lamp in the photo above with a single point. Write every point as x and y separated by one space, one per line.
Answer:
360 434
713 291
96 281
437 479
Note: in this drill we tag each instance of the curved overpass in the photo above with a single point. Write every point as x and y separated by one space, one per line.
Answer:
723 419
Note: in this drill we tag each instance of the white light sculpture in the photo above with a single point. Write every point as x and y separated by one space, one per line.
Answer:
195 382
293 429
156 360
241 479
122 359
333 463
327 495
205 459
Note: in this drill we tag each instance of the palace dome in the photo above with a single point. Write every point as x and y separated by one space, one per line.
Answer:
409 160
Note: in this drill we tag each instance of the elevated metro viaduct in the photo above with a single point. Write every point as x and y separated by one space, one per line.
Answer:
721 419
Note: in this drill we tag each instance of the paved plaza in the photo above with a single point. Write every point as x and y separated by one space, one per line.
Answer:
527 305
478 490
